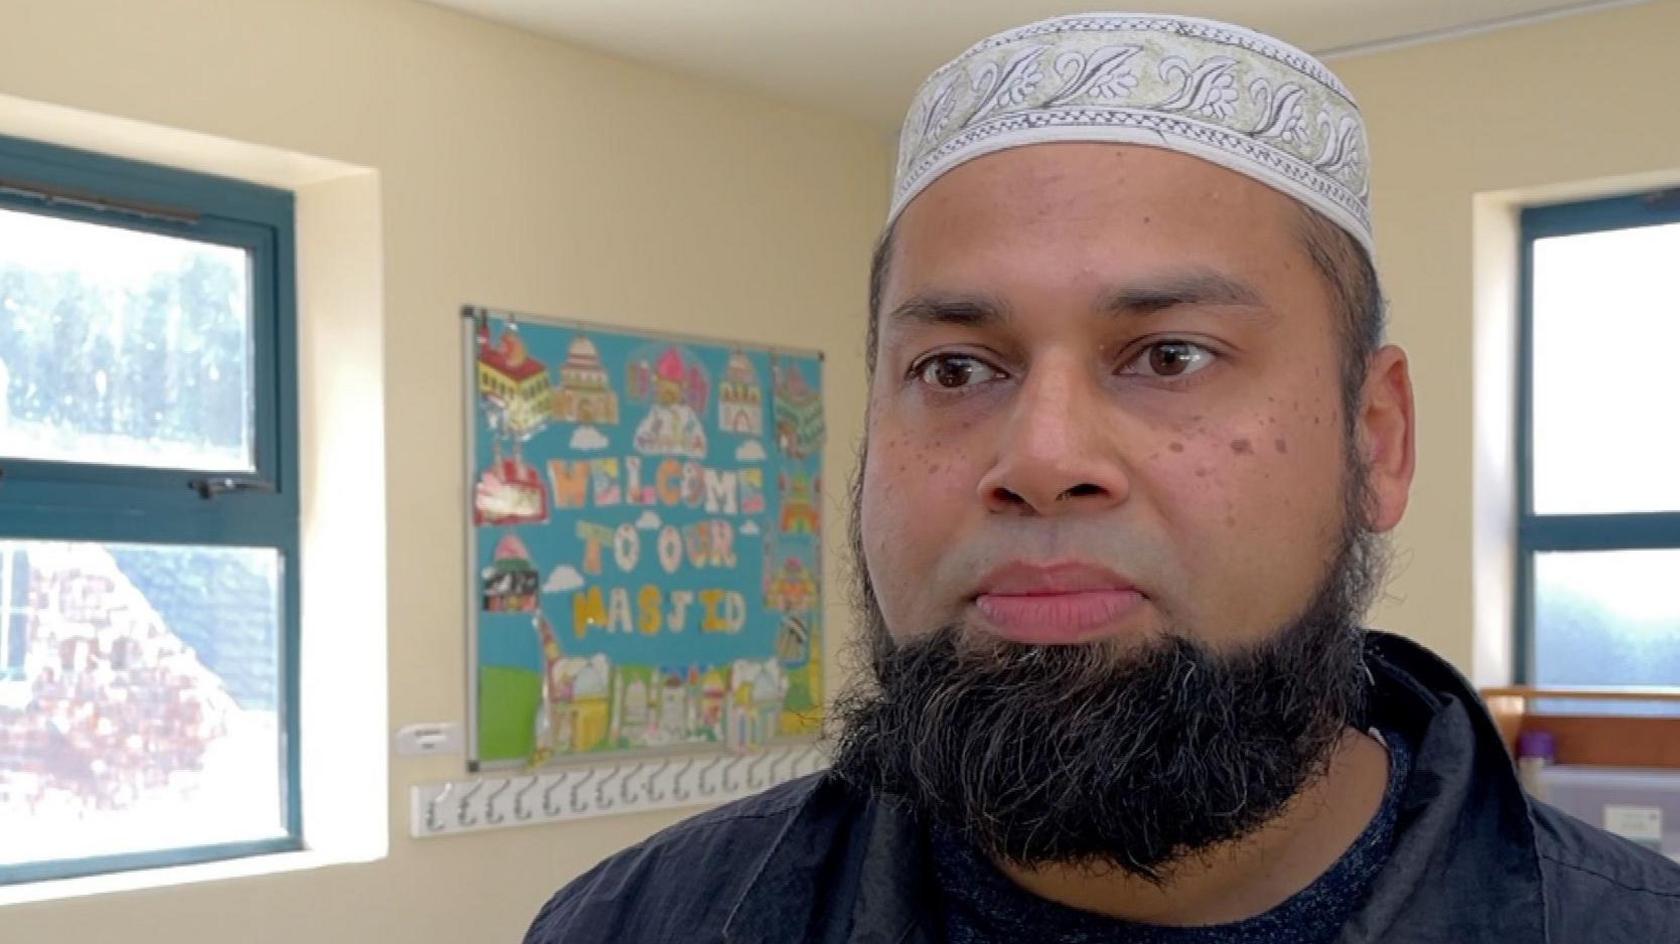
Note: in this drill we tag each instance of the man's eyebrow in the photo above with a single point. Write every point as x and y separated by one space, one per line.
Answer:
969 311
1192 288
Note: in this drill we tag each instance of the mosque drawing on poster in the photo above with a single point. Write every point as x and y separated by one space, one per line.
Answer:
674 386
513 393
799 416
645 524
584 394
741 398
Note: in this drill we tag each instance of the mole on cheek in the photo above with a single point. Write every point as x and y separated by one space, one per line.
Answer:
1242 447
1176 447
1282 447
1202 472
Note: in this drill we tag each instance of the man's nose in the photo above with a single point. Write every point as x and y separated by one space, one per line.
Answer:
1058 454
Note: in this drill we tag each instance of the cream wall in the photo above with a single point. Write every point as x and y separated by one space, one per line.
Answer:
512 171
1574 107
520 172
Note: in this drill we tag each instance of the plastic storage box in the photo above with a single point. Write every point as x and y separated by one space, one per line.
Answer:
1643 805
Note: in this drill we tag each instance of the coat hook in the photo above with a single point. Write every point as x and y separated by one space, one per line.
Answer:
625 782
433 824
753 783
548 807
601 799
652 787
678 791
463 815
519 810
707 789
728 783
491 814
776 765
579 806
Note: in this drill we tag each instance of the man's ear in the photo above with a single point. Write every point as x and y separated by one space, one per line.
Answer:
1386 431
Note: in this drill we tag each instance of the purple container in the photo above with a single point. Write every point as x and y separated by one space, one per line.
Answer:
1539 744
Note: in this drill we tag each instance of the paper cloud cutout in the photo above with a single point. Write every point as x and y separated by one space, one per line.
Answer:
750 527
563 579
588 439
750 451
648 522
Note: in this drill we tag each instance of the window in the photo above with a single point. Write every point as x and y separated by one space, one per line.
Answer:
148 517
1599 444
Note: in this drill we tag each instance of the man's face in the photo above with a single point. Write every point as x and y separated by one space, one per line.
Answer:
1107 405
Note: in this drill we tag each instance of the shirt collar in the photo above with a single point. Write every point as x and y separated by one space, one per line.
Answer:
846 868
1464 865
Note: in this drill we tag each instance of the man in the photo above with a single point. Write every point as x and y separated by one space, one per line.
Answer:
1132 438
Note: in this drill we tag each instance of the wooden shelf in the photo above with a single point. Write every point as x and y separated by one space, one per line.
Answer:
1601 738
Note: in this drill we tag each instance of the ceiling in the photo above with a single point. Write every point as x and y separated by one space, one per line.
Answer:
866 57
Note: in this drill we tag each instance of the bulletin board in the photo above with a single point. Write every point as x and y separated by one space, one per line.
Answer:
644 536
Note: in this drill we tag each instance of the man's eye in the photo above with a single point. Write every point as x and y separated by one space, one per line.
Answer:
1167 359
954 371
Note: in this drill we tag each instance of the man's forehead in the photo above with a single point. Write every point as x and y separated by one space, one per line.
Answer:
1111 229
1218 93
1077 209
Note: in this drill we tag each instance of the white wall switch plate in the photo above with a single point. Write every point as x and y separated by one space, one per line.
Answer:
431 737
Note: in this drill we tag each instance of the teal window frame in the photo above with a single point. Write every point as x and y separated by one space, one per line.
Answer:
51 500
1537 533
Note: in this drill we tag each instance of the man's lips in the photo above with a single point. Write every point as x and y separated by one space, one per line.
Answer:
1024 579
1055 604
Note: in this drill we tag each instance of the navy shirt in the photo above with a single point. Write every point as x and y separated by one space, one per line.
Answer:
980 905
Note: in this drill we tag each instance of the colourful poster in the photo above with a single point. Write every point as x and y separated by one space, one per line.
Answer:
644 517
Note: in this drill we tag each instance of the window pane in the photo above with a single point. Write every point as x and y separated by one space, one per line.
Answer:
1600 443
1607 618
145 715
123 347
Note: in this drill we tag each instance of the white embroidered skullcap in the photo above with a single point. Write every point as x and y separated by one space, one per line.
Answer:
1222 93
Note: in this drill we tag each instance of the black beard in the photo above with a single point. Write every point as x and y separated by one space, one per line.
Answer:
1110 754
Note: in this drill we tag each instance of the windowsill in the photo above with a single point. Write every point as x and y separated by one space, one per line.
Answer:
245 867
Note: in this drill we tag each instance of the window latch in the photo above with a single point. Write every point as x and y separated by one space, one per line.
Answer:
211 486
